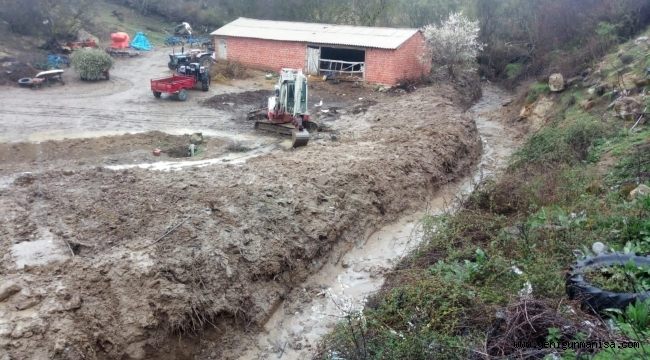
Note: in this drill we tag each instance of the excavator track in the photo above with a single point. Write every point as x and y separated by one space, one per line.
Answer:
298 138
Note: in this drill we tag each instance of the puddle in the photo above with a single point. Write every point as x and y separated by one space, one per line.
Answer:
39 252
230 158
348 281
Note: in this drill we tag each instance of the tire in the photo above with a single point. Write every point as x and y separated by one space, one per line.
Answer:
182 95
157 94
205 61
599 299
25 82
205 84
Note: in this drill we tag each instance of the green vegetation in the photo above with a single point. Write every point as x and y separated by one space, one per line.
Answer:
514 70
494 272
536 90
620 278
91 64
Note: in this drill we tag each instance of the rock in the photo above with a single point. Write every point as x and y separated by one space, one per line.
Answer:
28 327
196 138
7 289
136 351
641 190
556 82
598 248
72 302
28 302
6 329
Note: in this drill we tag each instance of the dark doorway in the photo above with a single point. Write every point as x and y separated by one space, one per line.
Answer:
351 55
342 63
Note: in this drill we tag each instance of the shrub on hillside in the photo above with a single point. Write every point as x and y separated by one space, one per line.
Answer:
454 44
91 64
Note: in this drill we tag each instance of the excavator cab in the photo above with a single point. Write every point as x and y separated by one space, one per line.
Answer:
288 110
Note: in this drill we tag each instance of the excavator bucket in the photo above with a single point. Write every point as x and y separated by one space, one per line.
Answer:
299 138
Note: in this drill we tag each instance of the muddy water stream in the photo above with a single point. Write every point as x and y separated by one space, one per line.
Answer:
296 327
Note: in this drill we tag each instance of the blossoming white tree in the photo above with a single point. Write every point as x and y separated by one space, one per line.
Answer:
454 44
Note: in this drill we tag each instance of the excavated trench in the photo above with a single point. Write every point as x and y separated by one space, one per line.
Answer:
351 275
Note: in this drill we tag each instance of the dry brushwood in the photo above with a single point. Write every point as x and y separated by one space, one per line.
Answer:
528 321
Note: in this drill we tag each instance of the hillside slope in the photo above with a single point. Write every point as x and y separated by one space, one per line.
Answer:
493 274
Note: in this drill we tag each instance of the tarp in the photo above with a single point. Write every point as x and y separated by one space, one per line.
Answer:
120 40
140 42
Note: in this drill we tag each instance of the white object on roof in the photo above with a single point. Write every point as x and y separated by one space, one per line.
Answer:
361 36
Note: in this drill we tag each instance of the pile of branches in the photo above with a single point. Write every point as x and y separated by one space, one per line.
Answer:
528 322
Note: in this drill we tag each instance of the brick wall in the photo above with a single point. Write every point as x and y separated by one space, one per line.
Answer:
382 66
265 54
389 66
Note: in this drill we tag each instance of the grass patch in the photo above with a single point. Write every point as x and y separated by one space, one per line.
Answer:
109 17
536 90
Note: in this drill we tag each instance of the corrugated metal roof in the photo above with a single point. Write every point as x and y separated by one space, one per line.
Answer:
361 36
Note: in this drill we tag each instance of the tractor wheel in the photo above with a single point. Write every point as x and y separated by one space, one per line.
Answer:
205 84
205 61
182 95
157 94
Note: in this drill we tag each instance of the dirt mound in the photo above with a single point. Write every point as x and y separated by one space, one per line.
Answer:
247 100
11 70
145 256
23 156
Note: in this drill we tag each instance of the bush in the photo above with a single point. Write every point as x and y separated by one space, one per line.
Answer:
91 64
514 70
454 43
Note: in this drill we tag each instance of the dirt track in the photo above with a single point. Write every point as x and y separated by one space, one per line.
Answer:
122 104
111 264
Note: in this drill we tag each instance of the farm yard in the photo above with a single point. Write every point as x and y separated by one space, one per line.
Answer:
144 214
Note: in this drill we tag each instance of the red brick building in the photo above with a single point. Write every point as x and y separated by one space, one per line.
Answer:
371 54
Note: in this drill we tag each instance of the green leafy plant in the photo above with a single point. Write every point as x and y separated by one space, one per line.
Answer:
554 334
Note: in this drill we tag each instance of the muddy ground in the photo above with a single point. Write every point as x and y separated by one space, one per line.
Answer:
112 264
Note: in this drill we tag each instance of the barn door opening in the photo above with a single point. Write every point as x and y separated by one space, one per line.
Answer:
313 58
222 51
343 63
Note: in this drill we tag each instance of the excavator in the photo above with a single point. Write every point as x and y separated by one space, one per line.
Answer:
287 112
